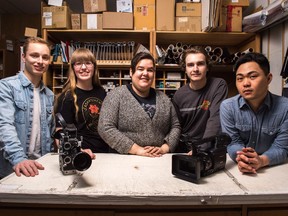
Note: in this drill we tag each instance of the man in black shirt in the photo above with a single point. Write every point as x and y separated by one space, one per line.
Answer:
197 103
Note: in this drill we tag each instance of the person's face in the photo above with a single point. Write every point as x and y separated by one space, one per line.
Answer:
36 59
196 67
84 70
251 82
143 76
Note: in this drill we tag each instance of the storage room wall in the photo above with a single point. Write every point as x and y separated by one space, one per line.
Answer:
13 28
274 44
274 41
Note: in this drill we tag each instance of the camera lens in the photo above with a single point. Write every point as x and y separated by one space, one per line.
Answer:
82 161
67 160
67 146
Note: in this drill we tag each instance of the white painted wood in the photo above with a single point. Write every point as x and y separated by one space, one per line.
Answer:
285 36
275 58
115 179
265 43
268 184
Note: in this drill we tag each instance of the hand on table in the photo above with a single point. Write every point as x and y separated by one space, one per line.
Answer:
28 168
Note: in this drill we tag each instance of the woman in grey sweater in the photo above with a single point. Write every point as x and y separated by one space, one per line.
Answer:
136 119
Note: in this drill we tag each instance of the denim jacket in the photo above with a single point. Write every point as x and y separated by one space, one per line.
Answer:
265 130
16 114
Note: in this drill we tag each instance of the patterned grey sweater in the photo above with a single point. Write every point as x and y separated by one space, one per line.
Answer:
124 122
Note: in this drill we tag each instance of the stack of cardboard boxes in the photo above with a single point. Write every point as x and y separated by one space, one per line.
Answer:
231 15
106 19
160 15
188 17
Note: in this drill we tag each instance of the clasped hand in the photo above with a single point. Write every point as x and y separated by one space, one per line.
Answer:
248 160
149 151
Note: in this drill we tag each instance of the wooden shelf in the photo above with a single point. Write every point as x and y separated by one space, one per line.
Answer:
204 38
142 37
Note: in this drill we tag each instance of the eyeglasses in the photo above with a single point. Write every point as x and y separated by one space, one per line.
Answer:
87 64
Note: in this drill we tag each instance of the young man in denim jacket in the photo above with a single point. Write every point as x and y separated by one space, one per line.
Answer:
26 121
256 120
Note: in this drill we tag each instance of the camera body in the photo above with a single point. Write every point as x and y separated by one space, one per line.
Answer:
71 158
202 162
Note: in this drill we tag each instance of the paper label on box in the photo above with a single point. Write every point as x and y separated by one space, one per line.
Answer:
183 19
48 18
124 6
91 21
94 5
143 10
55 2
47 14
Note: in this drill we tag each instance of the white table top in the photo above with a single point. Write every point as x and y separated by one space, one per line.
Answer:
115 179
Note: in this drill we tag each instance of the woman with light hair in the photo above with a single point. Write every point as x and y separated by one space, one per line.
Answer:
81 99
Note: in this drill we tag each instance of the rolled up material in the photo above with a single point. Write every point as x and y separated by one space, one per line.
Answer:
247 51
218 51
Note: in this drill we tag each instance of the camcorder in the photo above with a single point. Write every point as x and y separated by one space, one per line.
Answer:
203 161
71 158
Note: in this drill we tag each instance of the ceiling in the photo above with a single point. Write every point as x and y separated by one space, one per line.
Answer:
32 6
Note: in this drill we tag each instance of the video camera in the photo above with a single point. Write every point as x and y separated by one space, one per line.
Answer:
71 158
202 162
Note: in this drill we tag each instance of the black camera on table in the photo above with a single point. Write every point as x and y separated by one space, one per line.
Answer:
71 158
203 161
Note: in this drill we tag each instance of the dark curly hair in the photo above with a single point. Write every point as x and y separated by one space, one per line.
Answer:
259 58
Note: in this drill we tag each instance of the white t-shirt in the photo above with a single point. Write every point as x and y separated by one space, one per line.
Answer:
35 146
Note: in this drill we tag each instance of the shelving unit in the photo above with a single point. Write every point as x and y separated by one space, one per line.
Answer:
112 72
117 72
111 76
169 78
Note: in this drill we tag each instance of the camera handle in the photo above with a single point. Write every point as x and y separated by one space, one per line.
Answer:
61 120
218 141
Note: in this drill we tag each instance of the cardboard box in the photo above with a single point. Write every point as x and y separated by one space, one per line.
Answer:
231 19
235 2
188 9
144 14
30 32
124 6
91 21
117 20
56 17
190 24
76 21
92 6
165 15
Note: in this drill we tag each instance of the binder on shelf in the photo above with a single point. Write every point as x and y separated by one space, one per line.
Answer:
63 52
